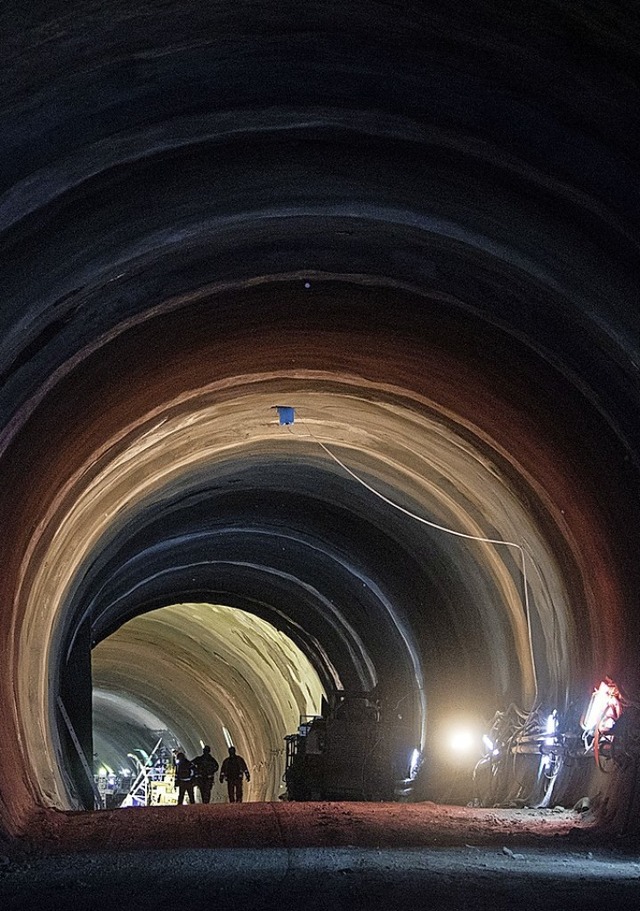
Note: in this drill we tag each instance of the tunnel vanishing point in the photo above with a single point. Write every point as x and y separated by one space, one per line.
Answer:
416 224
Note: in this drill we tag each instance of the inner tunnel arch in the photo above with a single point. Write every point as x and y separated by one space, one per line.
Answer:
204 673
264 495
142 493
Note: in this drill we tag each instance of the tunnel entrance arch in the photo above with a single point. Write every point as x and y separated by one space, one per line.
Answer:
210 667
212 674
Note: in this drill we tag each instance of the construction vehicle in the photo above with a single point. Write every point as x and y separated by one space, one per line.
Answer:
353 750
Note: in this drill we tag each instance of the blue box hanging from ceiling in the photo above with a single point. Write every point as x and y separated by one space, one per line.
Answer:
286 414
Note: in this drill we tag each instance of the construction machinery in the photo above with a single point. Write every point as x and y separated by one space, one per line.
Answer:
353 750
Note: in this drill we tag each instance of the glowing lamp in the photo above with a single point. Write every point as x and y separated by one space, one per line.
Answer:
462 742
551 728
601 699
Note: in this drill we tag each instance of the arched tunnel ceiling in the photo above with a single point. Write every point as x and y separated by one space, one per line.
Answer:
419 228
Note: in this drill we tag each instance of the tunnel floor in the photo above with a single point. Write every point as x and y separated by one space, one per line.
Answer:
320 855
289 825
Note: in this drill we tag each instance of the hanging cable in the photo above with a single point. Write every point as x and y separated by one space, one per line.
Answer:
448 531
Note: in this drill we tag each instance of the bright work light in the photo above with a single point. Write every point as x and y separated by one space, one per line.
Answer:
601 699
462 741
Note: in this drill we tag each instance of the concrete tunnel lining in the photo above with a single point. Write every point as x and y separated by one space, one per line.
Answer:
170 449
445 258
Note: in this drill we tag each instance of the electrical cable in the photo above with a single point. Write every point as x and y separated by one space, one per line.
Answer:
449 531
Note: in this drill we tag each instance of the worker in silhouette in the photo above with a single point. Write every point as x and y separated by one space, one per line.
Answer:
206 768
233 770
185 778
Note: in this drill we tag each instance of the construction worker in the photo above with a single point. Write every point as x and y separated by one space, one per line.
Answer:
233 770
206 768
185 778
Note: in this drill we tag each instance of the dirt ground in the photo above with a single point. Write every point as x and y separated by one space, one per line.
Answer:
318 856
283 824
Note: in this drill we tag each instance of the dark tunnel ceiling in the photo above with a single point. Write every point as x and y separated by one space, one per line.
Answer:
419 227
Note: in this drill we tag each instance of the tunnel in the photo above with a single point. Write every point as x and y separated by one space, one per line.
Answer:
411 231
